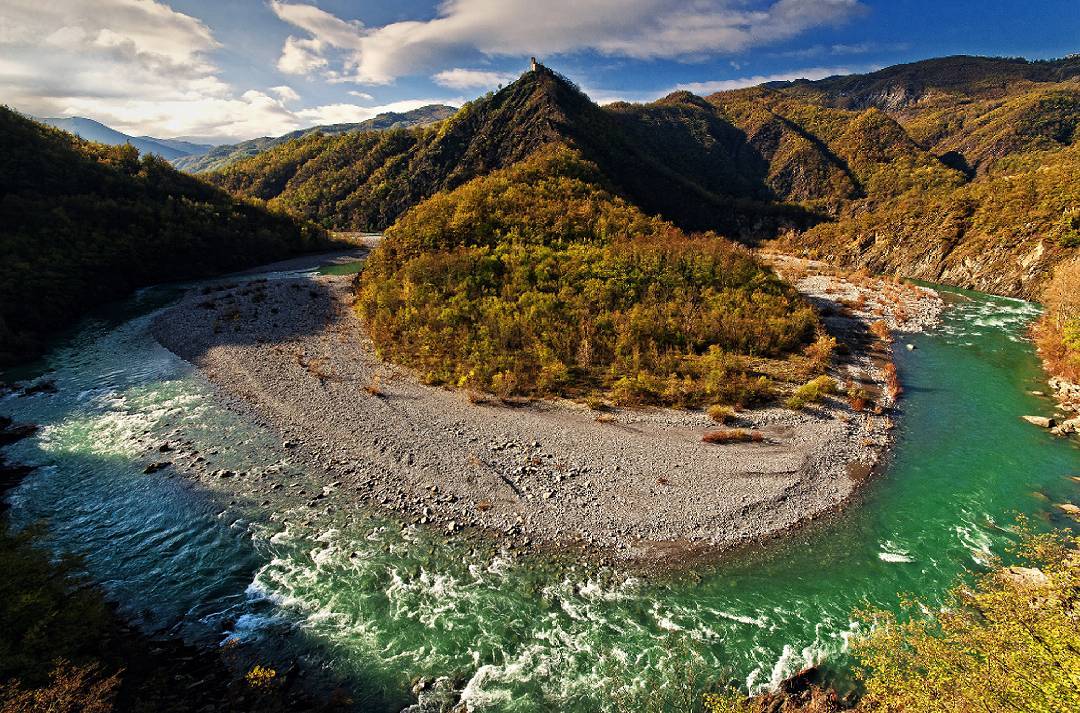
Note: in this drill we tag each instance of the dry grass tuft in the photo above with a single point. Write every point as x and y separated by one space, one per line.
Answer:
733 435
374 387
476 397
881 330
721 413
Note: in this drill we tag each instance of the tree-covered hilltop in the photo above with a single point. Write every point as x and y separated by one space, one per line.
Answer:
954 169
83 223
538 280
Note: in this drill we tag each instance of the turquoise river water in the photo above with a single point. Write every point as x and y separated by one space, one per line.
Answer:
359 597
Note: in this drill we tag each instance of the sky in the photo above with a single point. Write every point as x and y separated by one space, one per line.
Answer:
226 70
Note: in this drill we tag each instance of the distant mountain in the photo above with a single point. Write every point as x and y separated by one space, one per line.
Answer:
219 157
916 85
95 131
82 223
190 148
958 170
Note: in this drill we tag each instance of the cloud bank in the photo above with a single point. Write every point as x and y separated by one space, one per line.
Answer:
636 29
145 68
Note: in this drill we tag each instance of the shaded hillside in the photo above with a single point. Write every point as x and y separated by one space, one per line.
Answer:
830 157
366 180
82 223
219 157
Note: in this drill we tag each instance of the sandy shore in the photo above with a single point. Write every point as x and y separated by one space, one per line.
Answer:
639 486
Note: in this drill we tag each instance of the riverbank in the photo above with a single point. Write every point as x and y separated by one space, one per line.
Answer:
628 485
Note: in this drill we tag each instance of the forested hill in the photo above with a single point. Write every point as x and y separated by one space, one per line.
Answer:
959 170
366 180
219 157
83 223
955 169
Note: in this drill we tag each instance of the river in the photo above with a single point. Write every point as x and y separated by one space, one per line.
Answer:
355 595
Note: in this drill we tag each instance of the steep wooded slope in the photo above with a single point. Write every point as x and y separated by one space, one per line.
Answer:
83 223
366 180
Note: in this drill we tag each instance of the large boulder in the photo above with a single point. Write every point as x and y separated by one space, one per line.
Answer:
1026 576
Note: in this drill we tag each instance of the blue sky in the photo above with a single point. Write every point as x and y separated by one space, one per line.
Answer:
220 70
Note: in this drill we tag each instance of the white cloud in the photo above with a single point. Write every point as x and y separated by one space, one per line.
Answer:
459 78
352 113
605 96
361 95
300 56
285 93
144 68
149 31
857 48
320 24
641 29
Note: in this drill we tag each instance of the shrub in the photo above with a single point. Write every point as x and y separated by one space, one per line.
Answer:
374 387
821 351
71 689
858 398
733 435
1008 642
812 392
1058 330
892 382
881 330
637 390
261 677
721 413
595 403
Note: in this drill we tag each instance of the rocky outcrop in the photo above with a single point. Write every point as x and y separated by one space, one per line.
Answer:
1067 394
11 432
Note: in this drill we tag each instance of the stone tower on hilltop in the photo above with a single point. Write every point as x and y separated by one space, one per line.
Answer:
533 65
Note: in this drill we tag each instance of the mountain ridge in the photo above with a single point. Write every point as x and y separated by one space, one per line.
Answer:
833 169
